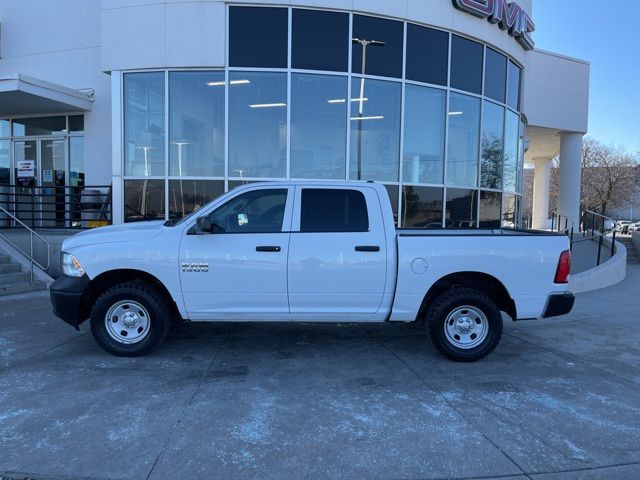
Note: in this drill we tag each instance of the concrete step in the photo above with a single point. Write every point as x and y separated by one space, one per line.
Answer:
9 268
4 259
14 277
21 287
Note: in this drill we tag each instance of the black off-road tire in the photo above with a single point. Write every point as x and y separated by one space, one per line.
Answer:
446 304
154 302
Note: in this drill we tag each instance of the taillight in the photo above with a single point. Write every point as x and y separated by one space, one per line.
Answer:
564 268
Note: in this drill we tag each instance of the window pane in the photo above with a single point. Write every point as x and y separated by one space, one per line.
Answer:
490 205
5 164
143 200
76 161
258 211
383 58
514 86
466 65
196 123
5 128
521 153
187 196
464 138
39 126
421 207
375 130
257 124
333 210
511 141
258 37
492 143
424 115
313 48
509 211
495 75
462 208
427 54
144 124
394 192
318 126
76 123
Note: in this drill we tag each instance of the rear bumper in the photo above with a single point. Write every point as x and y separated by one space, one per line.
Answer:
559 304
66 298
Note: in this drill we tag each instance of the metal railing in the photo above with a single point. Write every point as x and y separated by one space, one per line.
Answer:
592 227
32 234
561 223
56 207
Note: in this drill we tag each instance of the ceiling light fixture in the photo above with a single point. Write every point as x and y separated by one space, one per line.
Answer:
267 105
373 117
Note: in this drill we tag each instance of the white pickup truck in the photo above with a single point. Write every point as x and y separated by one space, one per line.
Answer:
313 252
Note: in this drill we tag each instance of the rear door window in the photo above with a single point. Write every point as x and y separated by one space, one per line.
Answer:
333 210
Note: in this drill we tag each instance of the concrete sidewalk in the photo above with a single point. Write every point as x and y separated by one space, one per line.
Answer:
560 398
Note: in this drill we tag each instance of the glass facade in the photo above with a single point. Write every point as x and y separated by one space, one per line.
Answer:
431 115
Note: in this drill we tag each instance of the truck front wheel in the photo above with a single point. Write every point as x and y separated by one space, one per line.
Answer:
130 319
465 325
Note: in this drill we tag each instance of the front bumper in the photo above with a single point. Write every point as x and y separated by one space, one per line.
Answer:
559 304
66 298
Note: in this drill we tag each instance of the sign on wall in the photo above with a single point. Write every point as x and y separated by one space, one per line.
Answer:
26 173
509 16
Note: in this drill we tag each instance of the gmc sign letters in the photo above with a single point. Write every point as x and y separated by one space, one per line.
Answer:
508 15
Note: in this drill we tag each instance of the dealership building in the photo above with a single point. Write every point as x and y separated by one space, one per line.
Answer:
166 104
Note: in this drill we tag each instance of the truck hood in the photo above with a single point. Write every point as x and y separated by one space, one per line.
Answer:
128 232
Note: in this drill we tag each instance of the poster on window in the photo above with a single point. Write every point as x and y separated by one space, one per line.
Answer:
26 173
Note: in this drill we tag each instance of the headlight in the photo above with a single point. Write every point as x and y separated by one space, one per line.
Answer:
71 266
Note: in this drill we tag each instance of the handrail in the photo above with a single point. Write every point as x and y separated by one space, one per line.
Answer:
597 231
32 233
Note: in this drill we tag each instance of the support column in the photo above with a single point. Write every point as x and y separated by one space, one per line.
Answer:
541 188
570 176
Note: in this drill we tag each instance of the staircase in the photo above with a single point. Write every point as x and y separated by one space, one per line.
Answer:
632 253
13 280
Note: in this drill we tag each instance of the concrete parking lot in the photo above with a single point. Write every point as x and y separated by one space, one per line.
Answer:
560 398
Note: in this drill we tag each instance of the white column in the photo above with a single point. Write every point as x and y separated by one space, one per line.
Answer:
117 206
570 176
541 188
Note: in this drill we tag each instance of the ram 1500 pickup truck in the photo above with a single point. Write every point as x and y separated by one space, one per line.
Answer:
312 252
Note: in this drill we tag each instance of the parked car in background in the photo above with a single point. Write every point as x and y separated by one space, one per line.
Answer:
309 251
633 227
621 226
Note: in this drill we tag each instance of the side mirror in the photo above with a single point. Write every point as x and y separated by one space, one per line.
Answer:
204 224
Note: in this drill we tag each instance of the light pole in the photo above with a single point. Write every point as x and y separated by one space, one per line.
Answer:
180 146
364 43
143 203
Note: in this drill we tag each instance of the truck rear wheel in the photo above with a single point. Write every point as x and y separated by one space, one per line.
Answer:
465 325
130 319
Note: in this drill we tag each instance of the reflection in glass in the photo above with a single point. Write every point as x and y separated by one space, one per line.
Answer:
76 161
187 196
5 180
394 193
464 139
461 210
196 123
509 219
511 140
421 207
514 73
39 126
466 64
492 144
257 124
143 200
495 75
375 130
258 37
521 152
427 54
320 40
377 46
424 117
144 124
5 128
76 123
257 211
318 126
490 205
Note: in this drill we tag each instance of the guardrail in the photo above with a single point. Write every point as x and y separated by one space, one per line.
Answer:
56 207
32 234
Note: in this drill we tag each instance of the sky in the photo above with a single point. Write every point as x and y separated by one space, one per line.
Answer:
583 29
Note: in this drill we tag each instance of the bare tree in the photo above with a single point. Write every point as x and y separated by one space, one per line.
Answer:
610 177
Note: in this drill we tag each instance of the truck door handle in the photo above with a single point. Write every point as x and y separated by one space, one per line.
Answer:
367 248
268 248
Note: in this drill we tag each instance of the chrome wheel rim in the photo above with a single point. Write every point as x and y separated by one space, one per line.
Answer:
466 327
127 322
